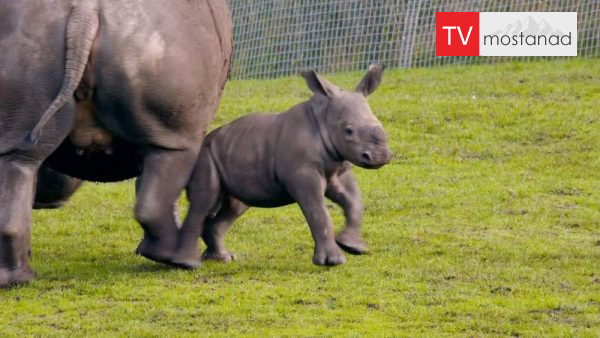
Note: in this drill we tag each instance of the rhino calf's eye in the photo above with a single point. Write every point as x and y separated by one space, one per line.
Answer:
349 131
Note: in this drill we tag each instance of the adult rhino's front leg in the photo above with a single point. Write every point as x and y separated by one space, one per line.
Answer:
164 175
16 197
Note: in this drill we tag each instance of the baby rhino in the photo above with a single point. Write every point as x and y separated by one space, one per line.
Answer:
302 156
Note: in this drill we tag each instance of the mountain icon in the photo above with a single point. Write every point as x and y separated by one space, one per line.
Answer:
517 28
529 27
545 28
504 31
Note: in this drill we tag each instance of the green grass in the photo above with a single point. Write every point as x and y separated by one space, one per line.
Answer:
487 222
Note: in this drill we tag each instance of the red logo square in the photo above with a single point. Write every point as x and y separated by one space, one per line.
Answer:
457 34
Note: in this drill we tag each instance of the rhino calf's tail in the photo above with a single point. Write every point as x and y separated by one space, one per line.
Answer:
82 27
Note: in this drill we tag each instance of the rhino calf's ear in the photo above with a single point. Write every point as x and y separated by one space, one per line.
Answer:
318 84
371 80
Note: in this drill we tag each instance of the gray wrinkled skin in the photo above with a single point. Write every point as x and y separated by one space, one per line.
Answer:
303 155
135 83
53 189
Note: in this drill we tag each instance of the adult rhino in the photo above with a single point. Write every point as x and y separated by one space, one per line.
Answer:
106 90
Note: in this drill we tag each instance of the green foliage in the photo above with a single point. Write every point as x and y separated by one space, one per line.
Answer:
486 223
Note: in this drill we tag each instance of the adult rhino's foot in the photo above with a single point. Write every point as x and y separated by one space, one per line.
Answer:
155 250
329 256
352 243
12 277
224 257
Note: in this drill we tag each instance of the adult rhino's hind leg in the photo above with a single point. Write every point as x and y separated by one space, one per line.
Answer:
16 199
164 175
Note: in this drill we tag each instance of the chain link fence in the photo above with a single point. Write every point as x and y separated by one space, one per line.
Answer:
279 37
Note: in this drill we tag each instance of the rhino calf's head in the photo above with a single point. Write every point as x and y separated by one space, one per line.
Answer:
350 126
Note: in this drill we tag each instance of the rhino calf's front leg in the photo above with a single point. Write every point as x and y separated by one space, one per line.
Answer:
344 191
309 192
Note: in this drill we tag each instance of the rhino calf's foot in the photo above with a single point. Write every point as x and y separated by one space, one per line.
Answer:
352 243
329 256
224 257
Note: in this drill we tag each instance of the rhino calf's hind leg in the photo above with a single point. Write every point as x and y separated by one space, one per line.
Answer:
216 227
344 191
164 175
16 199
203 191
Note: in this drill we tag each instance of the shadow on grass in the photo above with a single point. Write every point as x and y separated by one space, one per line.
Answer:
92 269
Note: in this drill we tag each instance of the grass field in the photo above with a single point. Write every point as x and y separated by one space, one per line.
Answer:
487 222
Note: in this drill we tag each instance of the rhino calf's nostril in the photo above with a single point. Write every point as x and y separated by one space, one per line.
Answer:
366 156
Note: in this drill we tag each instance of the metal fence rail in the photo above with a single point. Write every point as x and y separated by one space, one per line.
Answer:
278 37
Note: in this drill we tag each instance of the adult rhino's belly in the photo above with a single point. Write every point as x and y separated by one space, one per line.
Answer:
123 163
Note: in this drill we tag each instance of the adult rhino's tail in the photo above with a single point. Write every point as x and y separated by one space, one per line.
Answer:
82 27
